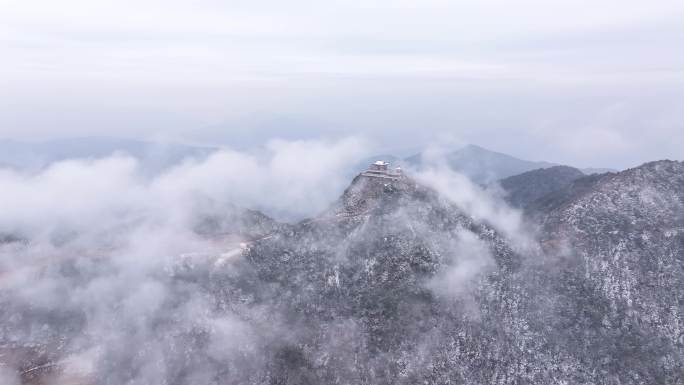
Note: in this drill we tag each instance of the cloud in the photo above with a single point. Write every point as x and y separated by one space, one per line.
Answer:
8 376
290 178
481 204
470 258
111 261
110 277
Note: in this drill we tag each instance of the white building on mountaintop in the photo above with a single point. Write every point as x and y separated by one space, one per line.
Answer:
380 169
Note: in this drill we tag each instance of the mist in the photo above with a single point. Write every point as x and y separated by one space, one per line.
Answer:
185 199
111 275
93 250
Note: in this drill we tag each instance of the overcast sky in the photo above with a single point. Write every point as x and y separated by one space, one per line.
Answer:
589 83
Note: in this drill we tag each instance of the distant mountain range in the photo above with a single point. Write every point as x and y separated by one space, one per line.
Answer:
480 164
483 165
154 156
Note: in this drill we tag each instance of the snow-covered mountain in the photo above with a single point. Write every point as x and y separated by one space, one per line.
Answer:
441 298
394 284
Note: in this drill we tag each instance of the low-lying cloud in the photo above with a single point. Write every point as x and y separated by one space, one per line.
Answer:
289 178
104 277
484 204
95 255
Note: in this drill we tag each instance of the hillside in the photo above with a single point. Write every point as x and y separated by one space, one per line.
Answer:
393 284
523 189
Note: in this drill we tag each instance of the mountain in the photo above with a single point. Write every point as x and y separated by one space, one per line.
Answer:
600 303
154 156
622 236
482 165
232 221
591 171
396 284
366 287
523 189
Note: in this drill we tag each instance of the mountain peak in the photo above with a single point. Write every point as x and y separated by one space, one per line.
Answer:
374 189
482 165
474 148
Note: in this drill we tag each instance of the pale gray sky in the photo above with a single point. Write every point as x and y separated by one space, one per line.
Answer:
589 83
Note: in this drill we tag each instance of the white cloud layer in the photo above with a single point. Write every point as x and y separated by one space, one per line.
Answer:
111 279
290 179
103 248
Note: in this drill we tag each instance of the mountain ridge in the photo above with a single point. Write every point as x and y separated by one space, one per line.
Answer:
397 284
524 189
481 165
